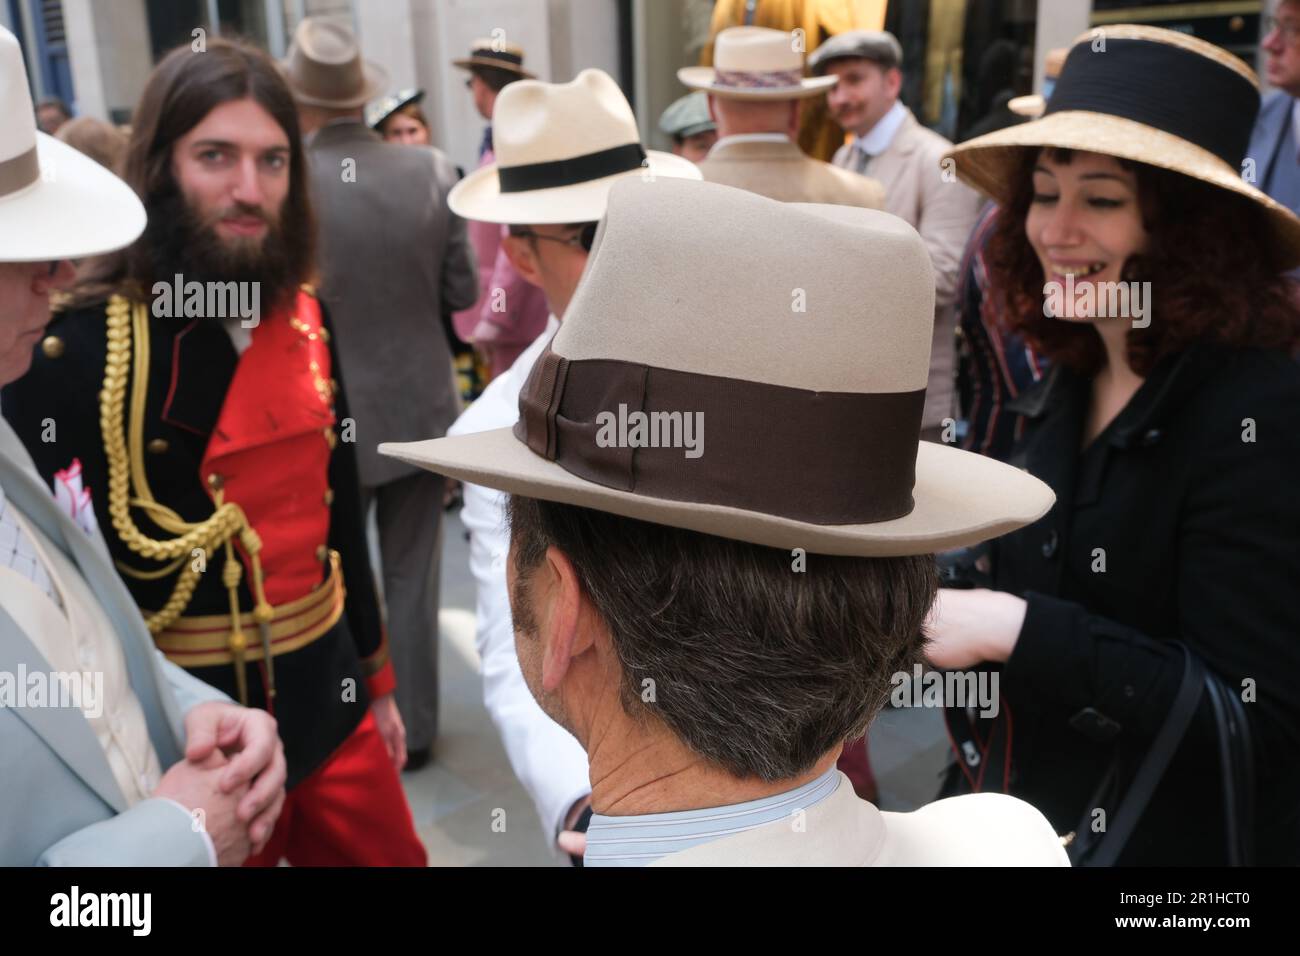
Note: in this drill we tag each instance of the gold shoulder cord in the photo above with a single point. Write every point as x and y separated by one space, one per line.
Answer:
126 472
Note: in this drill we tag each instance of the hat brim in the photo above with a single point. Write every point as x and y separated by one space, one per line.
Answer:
478 196
467 62
416 97
1031 105
961 498
376 78
705 78
989 162
75 210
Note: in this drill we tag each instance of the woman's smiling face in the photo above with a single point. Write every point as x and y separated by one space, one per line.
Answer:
1084 220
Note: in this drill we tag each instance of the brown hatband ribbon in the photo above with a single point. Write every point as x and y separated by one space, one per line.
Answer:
19 172
820 457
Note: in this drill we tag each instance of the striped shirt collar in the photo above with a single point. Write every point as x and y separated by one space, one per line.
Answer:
640 839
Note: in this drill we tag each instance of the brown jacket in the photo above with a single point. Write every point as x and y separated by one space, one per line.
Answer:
780 170
919 190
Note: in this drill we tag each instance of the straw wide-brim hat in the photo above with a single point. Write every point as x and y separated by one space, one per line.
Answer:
685 307
55 203
324 67
755 63
499 55
559 147
1150 96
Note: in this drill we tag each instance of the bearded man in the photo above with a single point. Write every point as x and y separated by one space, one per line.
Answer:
203 426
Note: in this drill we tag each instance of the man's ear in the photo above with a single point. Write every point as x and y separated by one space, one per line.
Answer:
893 81
713 111
519 250
562 637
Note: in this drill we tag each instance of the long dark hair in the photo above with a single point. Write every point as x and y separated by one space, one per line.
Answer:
182 89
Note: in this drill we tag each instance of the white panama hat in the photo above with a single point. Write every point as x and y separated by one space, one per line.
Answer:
55 203
559 148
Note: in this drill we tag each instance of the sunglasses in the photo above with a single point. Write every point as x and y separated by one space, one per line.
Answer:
585 238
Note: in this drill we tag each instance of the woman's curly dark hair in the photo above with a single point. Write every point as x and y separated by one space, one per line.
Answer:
1215 275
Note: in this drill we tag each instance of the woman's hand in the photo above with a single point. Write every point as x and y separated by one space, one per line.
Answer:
967 627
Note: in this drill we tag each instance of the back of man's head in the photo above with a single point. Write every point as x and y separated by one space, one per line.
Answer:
759 661
736 117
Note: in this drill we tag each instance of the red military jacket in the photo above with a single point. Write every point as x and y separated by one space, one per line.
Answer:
267 422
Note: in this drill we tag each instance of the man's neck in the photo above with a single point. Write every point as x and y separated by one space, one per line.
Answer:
660 775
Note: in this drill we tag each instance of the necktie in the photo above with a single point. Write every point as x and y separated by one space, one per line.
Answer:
486 145
860 159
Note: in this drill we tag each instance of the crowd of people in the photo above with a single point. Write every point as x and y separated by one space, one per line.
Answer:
1060 356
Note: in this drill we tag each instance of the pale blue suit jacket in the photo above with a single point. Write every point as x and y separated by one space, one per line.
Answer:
1273 148
59 802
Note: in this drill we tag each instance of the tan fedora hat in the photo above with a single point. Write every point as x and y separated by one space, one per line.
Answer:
1150 96
497 54
687 307
55 203
324 67
559 147
755 63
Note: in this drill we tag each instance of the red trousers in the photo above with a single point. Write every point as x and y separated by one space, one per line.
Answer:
350 812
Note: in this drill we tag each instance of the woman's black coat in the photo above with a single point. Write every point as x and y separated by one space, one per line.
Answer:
1180 522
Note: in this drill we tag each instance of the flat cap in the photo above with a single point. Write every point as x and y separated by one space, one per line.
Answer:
687 116
877 46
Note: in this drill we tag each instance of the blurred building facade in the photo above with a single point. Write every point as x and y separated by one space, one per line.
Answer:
963 56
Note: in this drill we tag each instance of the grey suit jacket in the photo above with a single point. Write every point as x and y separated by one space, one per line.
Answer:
393 258
59 802
783 172
943 211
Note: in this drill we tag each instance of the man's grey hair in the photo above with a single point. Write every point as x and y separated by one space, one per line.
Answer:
757 666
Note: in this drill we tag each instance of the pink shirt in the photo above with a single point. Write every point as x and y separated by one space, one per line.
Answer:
510 312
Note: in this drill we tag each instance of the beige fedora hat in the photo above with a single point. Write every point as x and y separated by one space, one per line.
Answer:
686 308
559 147
497 54
755 63
1150 96
1034 104
55 203
324 67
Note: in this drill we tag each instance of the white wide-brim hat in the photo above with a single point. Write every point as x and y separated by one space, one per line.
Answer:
55 203
686 307
755 63
559 147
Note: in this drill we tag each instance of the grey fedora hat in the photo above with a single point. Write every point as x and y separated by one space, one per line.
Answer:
324 67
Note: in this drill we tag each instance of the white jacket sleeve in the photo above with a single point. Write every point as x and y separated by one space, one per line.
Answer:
546 758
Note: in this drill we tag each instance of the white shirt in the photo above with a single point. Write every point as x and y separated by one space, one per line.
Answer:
546 758
1295 126
878 138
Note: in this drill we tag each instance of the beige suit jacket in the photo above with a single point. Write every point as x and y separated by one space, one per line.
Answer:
781 171
983 829
943 210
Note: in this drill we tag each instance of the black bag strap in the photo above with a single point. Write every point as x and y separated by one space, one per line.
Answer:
1104 852
1237 760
